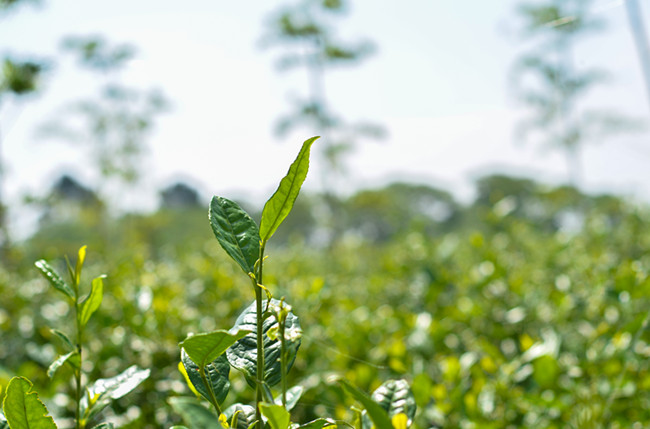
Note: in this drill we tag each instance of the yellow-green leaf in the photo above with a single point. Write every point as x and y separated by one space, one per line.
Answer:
91 304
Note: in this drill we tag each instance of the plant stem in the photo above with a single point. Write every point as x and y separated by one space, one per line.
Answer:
260 339
77 373
283 357
213 398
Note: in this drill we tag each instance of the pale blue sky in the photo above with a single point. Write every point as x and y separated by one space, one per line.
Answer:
438 82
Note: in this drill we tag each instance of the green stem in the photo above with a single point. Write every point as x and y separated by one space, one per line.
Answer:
283 361
77 373
213 399
260 339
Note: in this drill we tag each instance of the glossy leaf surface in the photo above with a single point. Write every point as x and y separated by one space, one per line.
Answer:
236 232
318 423
72 358
194 413
67 342
377 414
395 397
277 417
293 395
281 202
243 354
104 425
54 278
94 300
105 390
245 416
216 373
22 407
205 348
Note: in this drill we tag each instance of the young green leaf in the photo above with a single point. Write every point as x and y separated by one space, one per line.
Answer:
104 390
104 426
240 416
318 423
79 265
91 304
281 202
22 407
236 232
395 397
64 339
276 415
216 372
195 414
293 395
72 358
243 354
55 279
204 348
377 414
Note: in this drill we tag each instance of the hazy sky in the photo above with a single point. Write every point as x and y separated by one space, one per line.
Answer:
438 83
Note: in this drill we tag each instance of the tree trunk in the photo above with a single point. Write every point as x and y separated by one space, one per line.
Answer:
640 39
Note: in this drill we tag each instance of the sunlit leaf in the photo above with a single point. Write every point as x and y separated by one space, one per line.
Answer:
216 372
72 358
55 279
236 232
395 397
293 395
205 348
22 407
276 416
105 390
94 300
240 416
281 202
243 354
376 413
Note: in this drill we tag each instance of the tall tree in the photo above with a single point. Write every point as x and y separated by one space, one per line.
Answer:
552 87
640 35
305 33
18 78
113 125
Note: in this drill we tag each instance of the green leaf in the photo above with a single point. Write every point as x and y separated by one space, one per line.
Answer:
55 279
395 397
216 372
236 232
105 390
194 414
276 415
3 422
22 407
293 395
205 348
105 425
79 265
377 414
245 416
91 304
64 339
72 358
243 354
281 202
318 423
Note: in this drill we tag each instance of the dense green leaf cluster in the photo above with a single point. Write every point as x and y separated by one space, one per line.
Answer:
529 311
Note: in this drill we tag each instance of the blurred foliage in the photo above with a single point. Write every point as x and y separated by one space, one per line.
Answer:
549 82
305 34
524 309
